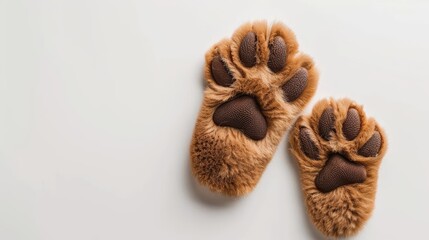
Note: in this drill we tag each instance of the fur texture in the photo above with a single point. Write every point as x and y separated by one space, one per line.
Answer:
343 211
222 158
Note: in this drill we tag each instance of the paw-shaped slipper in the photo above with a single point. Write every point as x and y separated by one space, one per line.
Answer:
257 85
339 151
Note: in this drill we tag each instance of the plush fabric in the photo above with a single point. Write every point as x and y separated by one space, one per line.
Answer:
223 158
343 211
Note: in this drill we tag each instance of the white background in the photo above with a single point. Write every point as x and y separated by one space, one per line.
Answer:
98 101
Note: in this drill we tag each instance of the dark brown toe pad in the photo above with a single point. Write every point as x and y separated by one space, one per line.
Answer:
278 54
339 171
242 113
295 86
248 50
308 146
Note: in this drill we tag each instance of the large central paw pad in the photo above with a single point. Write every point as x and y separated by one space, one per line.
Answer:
338 172
244 114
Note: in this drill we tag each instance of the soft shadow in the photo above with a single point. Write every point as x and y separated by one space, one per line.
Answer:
292 162
202 194
202 77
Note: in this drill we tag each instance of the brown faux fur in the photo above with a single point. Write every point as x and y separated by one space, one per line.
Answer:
343 211
222 158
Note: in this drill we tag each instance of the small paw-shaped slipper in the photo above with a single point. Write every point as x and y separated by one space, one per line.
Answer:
339 151
257 85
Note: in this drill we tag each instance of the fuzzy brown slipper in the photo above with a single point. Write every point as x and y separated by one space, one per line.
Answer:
339 151
257 85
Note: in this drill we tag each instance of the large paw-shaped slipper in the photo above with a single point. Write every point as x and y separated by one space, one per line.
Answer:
339 151
257 85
